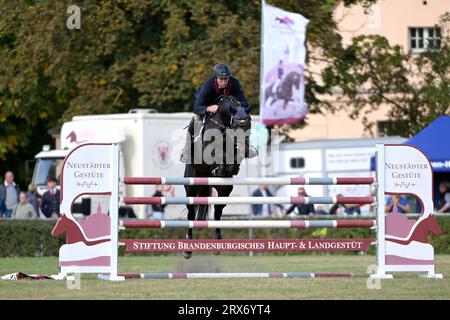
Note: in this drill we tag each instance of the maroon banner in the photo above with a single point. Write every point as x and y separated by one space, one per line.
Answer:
173 245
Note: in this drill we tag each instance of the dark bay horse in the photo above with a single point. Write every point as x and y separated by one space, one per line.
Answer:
221 143
284 90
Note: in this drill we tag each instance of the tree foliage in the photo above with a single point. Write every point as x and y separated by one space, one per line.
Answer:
127 54
156 53
370 72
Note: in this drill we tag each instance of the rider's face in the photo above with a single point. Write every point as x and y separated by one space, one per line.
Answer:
222 82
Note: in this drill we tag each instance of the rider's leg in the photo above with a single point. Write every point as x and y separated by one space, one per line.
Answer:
250 151
187 151
197 140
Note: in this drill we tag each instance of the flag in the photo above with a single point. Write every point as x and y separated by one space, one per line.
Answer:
282 65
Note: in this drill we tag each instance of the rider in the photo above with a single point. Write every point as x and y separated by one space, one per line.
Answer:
222 83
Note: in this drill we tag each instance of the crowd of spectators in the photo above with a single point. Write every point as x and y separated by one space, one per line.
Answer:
19 204
310 210
397 203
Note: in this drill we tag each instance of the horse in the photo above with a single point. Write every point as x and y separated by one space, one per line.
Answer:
284 91
227 156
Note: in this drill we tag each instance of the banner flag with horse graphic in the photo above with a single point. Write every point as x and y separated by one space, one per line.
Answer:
282 82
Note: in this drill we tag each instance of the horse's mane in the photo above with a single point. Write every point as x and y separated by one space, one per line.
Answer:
228 106
229 102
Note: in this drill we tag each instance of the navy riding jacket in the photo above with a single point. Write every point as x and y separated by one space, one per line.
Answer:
50 203
209 92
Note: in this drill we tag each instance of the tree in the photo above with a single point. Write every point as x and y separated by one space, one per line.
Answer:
416 87
131 54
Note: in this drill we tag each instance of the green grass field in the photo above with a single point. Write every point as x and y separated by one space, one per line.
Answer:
404 286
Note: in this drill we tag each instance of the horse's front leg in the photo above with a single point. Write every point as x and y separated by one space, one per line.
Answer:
191 216
218 209
189 235
222 191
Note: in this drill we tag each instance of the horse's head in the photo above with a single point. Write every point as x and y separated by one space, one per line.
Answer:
432 225
60 225
232 120
239 119
294 79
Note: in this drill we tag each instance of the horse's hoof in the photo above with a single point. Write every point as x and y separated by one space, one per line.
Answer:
217 236
218 171
188 254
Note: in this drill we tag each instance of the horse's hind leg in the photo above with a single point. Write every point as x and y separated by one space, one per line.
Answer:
189 235
218 209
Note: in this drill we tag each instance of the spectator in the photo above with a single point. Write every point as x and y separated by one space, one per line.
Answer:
280 191
263 210
397 203
2 207
9 191
302 209
338 208
321 210
24 210
444 197
353 210
32 197
50 202
157 212
40 200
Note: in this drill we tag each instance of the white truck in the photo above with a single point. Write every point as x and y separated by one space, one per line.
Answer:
151 145
330 158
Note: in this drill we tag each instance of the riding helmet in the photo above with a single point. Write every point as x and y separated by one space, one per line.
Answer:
222 70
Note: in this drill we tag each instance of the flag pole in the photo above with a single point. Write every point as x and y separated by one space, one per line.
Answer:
261 102
261 67
261 81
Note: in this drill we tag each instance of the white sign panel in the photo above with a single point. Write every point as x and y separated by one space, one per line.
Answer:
347 159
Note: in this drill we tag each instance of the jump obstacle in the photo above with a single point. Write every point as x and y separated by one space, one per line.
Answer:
246 181
96 248
224 275
248 200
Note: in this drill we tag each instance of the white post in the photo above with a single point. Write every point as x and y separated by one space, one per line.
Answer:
114 215
381 245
